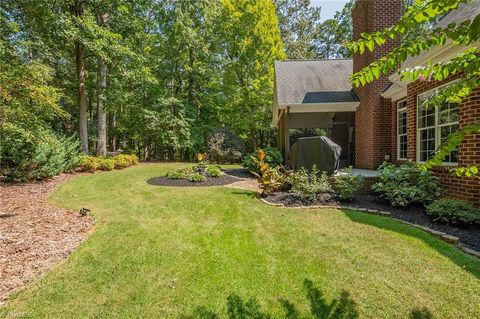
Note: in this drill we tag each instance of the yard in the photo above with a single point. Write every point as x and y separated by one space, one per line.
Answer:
165 252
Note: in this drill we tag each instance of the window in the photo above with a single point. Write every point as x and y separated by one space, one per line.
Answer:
433 127
402 130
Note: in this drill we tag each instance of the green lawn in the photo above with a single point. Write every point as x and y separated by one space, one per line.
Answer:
161 252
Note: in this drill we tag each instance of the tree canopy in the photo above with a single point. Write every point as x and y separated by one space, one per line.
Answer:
152 76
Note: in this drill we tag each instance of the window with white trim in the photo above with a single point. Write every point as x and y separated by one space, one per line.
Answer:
434 124
402 130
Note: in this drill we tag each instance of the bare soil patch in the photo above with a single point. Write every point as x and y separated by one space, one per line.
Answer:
35 235
469 236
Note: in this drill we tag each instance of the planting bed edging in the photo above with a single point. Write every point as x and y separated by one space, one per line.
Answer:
443 236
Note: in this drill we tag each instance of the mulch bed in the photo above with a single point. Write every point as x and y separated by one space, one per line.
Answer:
469 236
35 235
230 177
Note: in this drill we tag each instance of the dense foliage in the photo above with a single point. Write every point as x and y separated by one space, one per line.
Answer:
406 184
305 36
454 211
152 77
224 147
35 154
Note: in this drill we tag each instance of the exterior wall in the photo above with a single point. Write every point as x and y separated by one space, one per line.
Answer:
373 115
468 153
394 131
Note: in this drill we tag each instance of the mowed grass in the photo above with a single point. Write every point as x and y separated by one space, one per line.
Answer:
160 252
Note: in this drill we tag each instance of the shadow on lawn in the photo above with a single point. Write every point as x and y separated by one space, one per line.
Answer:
342 307
469 263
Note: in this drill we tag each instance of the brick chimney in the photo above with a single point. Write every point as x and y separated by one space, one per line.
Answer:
373 116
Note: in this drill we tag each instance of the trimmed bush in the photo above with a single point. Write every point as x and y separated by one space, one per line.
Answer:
273 157
124 160
214 171
454 211
346 186
197 178
35 154
89 164
105 164
121 161
406 184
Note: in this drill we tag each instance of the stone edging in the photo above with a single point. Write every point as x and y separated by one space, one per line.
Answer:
443 236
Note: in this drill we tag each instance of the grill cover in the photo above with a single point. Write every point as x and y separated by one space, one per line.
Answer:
319 150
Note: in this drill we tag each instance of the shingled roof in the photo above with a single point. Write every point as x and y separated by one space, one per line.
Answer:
313 81
465 11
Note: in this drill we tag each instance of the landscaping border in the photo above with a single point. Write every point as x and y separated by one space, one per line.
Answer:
443 236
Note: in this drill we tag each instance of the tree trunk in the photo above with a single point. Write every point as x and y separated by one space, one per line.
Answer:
101 113
113 134
102 85
81 97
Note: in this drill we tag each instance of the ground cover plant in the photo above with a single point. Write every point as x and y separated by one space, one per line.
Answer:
454 211
195 247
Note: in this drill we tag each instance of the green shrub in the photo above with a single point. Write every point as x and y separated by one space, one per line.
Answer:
175 175
121 161
454 211
346 186
189 170
273 157
197 178
132 158
105 164
214 171
89 164
308 185
125 160
35 154
406 184
224 146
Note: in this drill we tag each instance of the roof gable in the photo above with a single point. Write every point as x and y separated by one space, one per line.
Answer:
313 81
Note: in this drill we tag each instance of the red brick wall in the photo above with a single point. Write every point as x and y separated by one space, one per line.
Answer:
468 152
373 116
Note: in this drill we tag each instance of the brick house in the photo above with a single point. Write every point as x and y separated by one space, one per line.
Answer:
385 120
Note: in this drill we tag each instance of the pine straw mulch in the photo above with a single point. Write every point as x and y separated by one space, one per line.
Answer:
34 235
